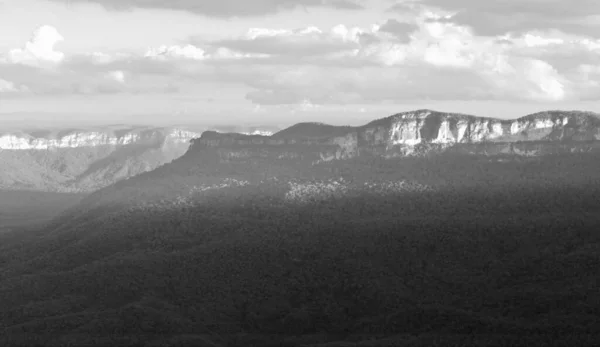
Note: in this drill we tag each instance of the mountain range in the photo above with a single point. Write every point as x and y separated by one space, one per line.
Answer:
425 131
82 160
320 152
422 228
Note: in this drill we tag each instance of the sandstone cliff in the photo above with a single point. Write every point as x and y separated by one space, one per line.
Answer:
312 160
416 133
76 138
81 160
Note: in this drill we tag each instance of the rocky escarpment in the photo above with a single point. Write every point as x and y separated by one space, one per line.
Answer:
313 155
420 132
76 138
81 160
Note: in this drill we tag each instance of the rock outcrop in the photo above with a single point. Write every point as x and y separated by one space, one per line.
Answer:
314 157
85 160
76 138
420 132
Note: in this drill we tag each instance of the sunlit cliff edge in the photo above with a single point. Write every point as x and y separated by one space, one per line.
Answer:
422 132
83 138
82 160
76 160
290 160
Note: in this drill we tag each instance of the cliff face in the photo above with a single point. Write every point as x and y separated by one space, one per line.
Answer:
416 133
293 154
83 138
439 128
78 160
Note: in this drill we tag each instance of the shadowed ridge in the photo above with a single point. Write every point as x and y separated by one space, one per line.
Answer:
310 130
211 135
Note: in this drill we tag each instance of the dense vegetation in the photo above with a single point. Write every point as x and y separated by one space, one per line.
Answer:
28 208
500 253
81 169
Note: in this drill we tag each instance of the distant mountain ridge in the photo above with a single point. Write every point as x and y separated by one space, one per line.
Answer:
316 156
407 230
74 138
82 160
89 158
101 136
423 132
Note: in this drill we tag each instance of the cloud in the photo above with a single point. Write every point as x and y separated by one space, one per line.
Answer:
439 60
427 56
10 87
188 52
497 17
304 42
61 81
193 52
401 30
526 80
39 49
225 8
585 81
352 46
39 69
368 85
442 61
118 76
565 52
44 70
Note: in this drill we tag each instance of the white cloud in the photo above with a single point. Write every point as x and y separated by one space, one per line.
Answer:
188 52
39 49
423 57
117 75
347 34
441 60
254 33
309 42
546 78
10 87
100 58
535 40
227 8
192 52
565 52
478 68
498 17
385 53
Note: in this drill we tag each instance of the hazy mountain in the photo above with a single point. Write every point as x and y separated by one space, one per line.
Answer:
82 160
329 236
85 159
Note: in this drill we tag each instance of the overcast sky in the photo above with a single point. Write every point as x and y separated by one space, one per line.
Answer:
253 61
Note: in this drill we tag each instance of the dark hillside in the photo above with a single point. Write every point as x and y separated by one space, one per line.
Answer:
499 251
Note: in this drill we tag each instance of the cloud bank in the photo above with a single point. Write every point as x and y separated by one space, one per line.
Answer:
498 17
435 54
224 8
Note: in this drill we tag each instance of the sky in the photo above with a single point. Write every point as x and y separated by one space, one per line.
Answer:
255 62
